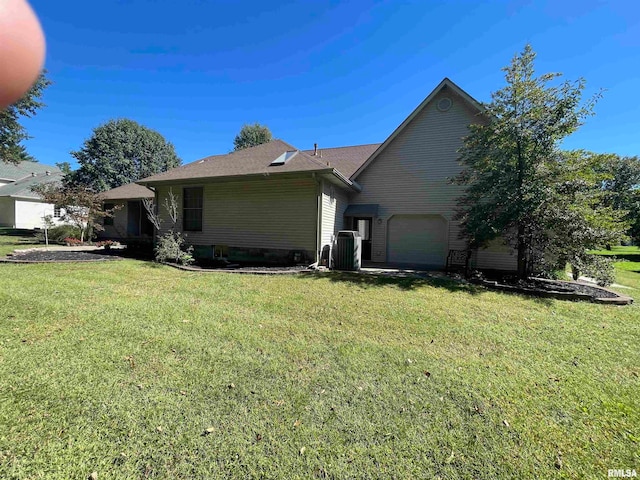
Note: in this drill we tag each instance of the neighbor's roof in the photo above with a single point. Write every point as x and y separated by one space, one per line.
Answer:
11 171
250 161
128 191
346 159
22 188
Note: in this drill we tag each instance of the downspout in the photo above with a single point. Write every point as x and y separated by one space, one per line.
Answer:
318 218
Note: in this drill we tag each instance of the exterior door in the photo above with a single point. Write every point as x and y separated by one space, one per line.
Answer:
133 218
363 226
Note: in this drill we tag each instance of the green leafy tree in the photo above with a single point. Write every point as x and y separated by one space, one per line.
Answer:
82 207
252 135
65 167
507 160
12 133
576 218
622 188
120 152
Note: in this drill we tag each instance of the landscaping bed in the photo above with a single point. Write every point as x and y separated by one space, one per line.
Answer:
46 256
557 289
237 268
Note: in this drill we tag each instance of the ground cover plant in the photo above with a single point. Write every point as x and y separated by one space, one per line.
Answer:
135 370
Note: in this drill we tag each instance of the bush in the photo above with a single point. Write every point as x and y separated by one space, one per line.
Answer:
73 242
60 233
595 266
171 247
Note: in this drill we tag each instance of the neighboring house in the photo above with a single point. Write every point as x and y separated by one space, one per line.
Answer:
275 202
19 206
129 220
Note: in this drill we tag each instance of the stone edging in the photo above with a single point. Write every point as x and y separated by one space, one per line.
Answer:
617 300
187 268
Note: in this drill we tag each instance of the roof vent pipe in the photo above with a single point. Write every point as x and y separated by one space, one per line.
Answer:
315 149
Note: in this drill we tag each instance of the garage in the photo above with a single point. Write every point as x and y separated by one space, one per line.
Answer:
417 239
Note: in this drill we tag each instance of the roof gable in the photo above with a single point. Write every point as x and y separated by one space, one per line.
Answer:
445 83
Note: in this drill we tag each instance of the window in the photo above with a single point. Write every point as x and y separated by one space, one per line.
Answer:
192 209
108 207
57 211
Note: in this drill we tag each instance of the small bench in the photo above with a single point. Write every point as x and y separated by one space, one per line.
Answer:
457 259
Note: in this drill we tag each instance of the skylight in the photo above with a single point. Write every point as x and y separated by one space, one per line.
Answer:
284 158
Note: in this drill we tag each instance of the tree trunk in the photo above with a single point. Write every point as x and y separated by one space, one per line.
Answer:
522 254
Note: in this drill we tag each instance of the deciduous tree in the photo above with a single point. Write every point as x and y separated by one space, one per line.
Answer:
81 206
252 135
12 133
512 162
120 152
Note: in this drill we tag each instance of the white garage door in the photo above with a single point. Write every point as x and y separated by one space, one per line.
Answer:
417 239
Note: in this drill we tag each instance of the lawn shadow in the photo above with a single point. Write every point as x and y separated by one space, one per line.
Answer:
403 282
16 232
411 282
630 257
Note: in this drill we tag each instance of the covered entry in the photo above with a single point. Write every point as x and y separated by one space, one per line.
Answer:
360 218
417 239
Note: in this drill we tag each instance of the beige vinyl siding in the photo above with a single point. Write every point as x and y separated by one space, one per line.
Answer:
7 212
411 176
496 256
259 213
334 203
119 228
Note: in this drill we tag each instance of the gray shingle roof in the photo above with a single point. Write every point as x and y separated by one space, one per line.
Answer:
10 171
250 161
128 191
346 159
257 160
22 188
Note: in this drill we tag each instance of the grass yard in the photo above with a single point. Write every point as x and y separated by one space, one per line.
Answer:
11 239
627 268
134 370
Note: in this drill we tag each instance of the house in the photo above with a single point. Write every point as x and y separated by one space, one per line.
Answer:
20 207
129 220
275 202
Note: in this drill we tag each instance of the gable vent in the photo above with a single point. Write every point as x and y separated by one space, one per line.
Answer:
444 104
284 158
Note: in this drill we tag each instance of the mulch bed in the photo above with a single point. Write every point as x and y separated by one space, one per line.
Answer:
255 270
42 256
558 289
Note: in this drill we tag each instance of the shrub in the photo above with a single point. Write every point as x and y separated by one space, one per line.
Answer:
171 247
595 266
60 233
73 242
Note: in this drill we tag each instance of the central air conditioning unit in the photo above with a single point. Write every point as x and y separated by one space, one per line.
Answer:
347 251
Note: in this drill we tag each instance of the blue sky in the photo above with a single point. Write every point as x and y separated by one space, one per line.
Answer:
335 73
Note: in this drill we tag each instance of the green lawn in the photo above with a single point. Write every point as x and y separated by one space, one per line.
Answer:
627 268
120 368
11 239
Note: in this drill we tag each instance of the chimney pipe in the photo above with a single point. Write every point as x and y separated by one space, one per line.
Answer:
315 149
